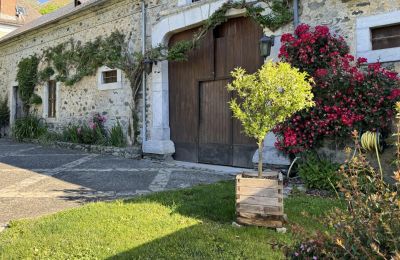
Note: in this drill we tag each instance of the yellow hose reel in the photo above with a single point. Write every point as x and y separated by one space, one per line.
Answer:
372 141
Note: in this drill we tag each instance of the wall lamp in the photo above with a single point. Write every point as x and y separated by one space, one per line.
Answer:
266 43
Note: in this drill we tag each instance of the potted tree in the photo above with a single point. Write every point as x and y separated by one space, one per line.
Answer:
265 99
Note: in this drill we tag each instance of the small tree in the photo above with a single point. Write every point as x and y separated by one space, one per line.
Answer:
267 98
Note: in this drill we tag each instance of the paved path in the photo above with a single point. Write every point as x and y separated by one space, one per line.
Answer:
37 180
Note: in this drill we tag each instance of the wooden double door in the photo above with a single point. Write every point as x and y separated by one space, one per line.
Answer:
201 122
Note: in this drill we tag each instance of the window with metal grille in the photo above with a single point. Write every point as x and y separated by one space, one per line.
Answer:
109 76
52 98
385 37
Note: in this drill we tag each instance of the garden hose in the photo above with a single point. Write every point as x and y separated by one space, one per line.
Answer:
371 141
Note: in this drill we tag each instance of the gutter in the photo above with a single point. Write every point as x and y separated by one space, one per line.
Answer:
144 76
296 19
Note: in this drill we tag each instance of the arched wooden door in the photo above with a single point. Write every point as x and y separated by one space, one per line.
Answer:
201 122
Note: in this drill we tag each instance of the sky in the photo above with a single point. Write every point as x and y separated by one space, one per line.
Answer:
43 1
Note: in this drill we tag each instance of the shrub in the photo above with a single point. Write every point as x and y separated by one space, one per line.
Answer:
369 228
117 137
71 133
30 127
91 133
348 95
50 137
318 173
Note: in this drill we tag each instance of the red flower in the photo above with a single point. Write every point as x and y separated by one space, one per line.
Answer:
394 94
322 30
287 37
321 73
362 60
302 28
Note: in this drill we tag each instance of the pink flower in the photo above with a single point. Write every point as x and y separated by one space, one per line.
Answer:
92 125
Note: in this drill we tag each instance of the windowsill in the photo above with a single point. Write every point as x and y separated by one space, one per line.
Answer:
383 55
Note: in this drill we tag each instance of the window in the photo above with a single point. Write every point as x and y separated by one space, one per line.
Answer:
52 99
110 76
385 37
77 2
378 37
20 11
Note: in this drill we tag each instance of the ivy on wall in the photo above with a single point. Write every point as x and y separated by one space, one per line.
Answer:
27 78
71 61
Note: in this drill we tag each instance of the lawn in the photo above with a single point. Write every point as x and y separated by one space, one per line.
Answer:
190 223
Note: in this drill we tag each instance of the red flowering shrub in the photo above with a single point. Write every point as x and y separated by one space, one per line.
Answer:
347 93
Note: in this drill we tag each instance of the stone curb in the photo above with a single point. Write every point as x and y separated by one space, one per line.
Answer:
134 152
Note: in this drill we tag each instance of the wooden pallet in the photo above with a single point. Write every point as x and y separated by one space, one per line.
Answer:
259 201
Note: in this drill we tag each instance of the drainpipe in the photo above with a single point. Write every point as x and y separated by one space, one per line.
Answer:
296 20
144 77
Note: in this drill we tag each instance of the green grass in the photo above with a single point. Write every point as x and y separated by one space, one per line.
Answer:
191 223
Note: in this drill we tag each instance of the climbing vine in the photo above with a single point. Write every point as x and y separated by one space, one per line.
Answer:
27 78
71 61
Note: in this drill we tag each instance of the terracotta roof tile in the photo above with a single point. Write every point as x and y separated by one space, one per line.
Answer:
63 12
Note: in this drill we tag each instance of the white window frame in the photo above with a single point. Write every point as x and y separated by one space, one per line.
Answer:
108 86
364 38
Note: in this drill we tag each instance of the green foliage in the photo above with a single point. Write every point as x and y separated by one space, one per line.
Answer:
49 137
117 137
35 99
280 14
369 227
4 113
45 74
84 59
27 78
84 134
70 133
318 173
269 97
48 9
29 127
199 218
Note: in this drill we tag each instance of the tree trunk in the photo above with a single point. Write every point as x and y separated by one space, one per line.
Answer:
260 159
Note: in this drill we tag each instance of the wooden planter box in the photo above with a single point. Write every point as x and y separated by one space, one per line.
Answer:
259 201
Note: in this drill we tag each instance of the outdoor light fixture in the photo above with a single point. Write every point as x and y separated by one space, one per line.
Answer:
148 65
266 42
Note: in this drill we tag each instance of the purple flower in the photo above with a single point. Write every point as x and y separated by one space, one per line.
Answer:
315 258
92 125
79 130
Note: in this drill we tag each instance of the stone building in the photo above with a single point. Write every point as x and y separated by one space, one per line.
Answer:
183 110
